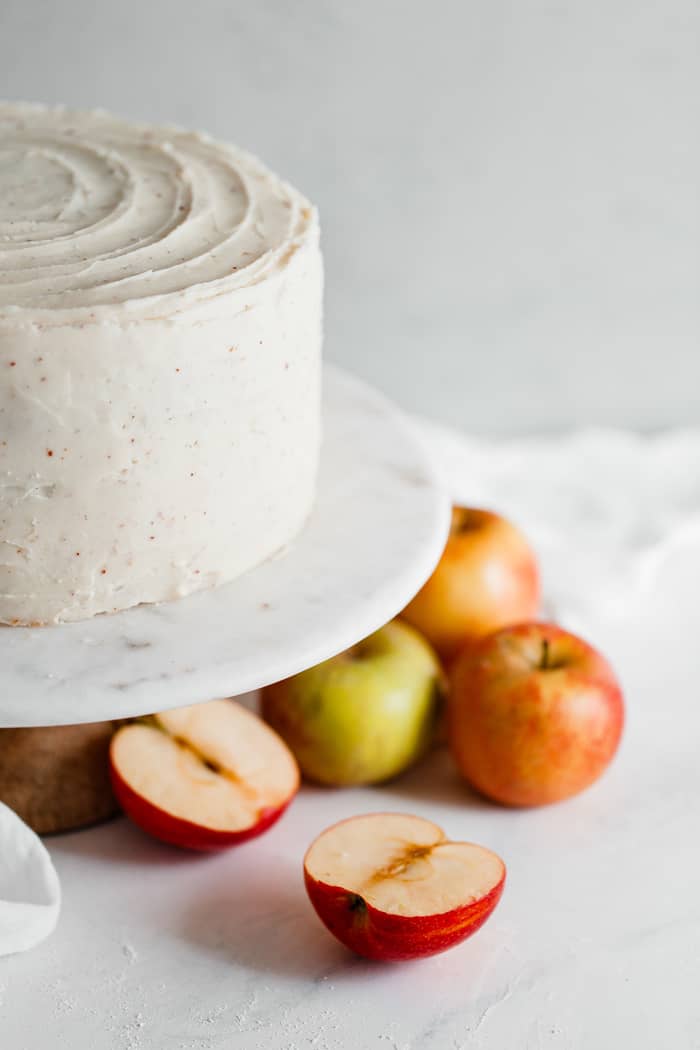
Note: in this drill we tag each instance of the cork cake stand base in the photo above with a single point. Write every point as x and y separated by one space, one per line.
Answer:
56 778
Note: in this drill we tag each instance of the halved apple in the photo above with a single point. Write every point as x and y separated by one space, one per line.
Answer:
391 886
204 777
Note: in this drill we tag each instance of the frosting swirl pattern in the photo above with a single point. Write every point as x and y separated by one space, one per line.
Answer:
95 211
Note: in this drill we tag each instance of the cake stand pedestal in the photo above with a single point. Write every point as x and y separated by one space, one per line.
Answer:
376 532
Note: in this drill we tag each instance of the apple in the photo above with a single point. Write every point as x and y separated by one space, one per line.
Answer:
204 777
391 886
364 715
535 714
487 578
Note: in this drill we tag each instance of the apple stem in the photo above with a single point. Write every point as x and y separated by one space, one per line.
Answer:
544 662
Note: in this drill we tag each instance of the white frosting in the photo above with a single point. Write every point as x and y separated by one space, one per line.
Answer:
160 336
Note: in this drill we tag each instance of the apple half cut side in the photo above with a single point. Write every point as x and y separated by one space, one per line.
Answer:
204 777
391 886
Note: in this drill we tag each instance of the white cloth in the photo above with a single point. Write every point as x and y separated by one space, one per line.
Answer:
30 893
604 509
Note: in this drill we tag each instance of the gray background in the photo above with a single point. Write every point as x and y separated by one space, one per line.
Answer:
509 190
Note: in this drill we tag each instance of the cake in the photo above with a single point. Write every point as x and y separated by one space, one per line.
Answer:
160 344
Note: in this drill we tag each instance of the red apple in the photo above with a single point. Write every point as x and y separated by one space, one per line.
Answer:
391 886
204 777
535 714
487 578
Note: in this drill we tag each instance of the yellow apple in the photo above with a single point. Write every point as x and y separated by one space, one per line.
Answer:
362 716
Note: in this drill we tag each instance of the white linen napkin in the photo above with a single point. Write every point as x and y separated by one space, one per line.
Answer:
604 509
30 893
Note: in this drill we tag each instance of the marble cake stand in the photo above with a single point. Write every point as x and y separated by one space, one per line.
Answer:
378 529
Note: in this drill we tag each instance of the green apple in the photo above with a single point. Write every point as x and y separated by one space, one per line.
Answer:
362 716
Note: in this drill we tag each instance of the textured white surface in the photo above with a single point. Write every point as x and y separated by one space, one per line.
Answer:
596 943
377 529
30 894
160 363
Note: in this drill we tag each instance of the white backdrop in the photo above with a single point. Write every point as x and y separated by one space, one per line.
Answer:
509 190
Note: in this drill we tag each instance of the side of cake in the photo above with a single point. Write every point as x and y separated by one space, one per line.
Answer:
160 344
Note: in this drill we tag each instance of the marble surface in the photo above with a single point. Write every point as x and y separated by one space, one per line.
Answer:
596 943
377 530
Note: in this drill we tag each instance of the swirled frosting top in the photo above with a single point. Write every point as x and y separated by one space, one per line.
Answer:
98 212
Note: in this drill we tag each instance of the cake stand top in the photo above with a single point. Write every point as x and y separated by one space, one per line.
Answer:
377 530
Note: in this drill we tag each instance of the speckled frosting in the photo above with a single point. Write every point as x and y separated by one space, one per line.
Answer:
160 342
